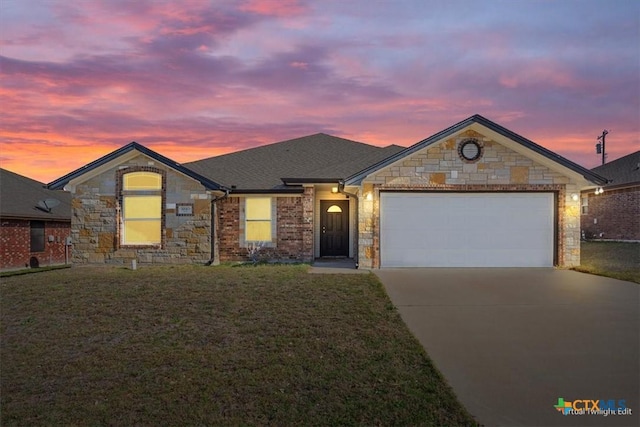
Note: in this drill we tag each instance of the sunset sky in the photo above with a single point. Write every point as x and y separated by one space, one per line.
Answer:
195 79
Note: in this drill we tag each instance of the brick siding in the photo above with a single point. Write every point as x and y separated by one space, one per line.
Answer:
293 237
614 215
15 242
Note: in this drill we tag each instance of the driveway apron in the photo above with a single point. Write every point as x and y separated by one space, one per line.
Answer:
511 342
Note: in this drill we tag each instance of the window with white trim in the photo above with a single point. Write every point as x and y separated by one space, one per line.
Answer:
141 209
584 205
258 219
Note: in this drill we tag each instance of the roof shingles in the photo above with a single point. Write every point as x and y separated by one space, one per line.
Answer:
319 156
622 171
20 195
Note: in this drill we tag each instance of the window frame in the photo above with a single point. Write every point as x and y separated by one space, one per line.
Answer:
40 227
584 204
124 193
128 219
244 241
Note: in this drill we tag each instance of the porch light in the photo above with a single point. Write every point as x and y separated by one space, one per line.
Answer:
369 196
599 190
334 190
574 197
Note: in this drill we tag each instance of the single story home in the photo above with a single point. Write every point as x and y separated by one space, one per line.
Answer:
473 195
614 213
35 223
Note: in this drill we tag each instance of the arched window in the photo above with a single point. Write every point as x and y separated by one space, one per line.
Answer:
141 208
334 209
142 181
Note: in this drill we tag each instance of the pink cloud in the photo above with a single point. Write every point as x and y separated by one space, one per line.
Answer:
300 65
280 8
537 72
193 80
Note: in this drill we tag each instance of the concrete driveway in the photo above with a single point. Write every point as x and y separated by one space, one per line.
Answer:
511 342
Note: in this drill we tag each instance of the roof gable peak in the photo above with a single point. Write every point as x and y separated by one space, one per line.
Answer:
132 146
495 129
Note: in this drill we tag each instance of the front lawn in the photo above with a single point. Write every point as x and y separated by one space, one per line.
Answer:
612 259
199 345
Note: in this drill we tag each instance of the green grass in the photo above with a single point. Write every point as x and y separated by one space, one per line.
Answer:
612 259
32 270
199 345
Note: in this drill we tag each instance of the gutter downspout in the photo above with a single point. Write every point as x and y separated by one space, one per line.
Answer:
356 250
214 221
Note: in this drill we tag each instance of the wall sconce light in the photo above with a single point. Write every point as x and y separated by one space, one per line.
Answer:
599 190
369 196
334 190
574 197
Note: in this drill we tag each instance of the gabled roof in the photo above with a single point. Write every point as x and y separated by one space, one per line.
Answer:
19 197
61 182
587 174
621 172
309 159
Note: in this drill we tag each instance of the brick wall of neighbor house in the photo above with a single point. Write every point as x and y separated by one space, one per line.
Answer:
292 231
94 222
15 242
499 169
613 215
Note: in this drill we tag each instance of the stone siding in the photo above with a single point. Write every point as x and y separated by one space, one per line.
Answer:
293 239
96 220
440 168
15 244
612 215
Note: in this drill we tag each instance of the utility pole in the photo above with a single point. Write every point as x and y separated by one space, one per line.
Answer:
600 146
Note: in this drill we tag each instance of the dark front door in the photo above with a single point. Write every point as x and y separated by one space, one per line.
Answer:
334 228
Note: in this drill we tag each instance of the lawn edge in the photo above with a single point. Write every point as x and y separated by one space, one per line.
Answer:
33 270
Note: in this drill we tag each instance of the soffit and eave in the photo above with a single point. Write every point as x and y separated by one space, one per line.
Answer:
538 158
125 154
99 170
36 217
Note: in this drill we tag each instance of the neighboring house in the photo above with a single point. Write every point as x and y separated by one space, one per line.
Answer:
475 194
35 223
614 214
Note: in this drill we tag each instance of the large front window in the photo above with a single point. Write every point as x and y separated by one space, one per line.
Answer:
142 208
258 219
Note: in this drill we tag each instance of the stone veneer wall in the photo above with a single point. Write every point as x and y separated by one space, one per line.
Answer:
95 222
499 169
613 215
294 230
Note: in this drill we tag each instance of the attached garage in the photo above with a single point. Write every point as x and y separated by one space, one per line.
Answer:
473 195
488 229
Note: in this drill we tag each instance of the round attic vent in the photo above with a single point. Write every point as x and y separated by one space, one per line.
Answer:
470 150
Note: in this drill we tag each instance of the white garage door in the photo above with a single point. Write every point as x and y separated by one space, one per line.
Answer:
466 229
